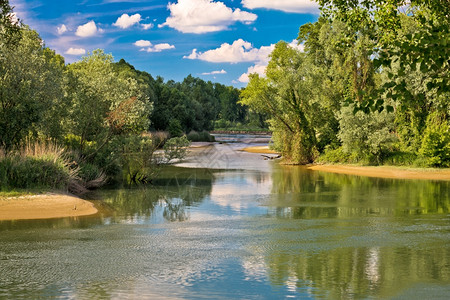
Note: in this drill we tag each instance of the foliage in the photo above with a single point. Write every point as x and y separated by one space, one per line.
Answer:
285 95
366 135
174 128
176 148
39 166
436 142
104 104
203 136
30 84
138 159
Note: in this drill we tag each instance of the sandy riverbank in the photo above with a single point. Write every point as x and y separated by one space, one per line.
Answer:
259 149
379 171
385 172
44 206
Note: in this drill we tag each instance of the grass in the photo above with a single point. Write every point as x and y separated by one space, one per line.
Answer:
38 166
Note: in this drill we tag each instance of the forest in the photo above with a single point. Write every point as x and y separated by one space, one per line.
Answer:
371 87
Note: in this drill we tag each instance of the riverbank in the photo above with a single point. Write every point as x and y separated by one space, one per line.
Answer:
45 206
385 172
259 149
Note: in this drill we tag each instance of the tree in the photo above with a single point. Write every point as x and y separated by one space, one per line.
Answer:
104 103
9 25
425 49
285 96
31 82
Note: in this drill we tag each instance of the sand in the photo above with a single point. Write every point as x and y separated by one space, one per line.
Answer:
44 206
259 149
386 172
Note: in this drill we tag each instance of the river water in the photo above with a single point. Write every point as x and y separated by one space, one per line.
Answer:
230 225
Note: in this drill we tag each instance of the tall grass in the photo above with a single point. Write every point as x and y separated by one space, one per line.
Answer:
39 165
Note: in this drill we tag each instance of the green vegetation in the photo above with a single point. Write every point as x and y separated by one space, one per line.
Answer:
371 87
99 112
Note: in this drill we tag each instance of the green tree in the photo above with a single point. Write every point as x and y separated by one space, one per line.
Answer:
104 103
285 96
31 82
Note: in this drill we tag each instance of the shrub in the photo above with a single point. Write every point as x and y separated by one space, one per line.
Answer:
435 149
175 129
176 148
334 156
202 136
39 166
400 158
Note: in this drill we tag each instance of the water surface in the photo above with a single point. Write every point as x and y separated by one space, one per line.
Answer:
239 227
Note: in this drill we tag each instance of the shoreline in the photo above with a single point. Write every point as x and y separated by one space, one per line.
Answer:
392 172
44 206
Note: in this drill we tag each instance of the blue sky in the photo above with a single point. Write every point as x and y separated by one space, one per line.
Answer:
215 40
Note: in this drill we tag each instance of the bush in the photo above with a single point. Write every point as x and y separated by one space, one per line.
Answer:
435 149
203 136
399 158
38 166
176 148
175 129
334 156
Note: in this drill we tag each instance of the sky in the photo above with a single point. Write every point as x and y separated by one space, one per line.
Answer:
221 41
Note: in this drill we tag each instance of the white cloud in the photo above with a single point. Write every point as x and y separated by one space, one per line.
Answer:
160 47
215 72
125 21
76 51
239 51
260 67
88 29
61 29
147 26
142 43
148 47
295 6
200 16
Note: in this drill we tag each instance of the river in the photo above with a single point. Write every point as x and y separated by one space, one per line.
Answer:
227 224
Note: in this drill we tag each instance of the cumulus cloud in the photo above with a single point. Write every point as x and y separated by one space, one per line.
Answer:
201 16
149 47
142 43
88 29
125 21
295 6
260 66
215 72
61 29
76 51
147 26
239 51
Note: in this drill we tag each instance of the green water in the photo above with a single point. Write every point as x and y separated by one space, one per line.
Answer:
239 227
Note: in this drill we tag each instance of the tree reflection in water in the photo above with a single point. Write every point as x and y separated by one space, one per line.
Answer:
356 237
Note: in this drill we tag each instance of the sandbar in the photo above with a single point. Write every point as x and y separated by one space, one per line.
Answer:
45 206
385 172
259 149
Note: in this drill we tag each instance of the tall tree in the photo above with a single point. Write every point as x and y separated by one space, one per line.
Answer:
30 83
285 95
104 103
